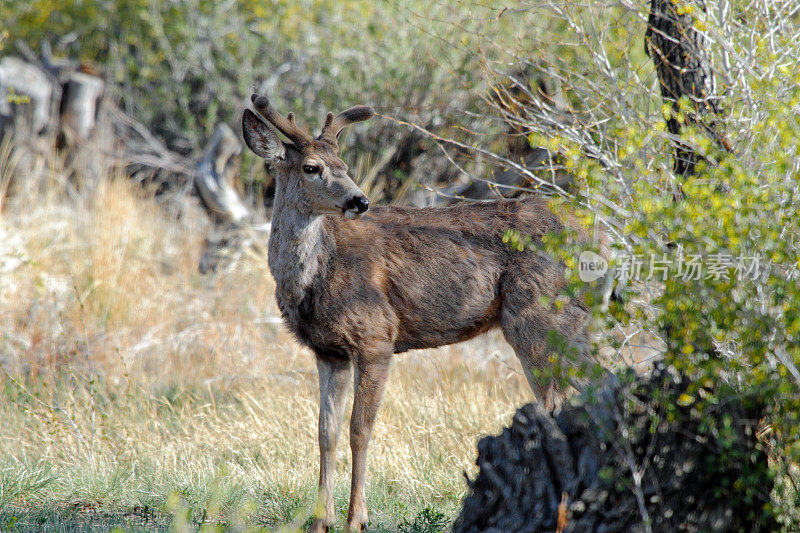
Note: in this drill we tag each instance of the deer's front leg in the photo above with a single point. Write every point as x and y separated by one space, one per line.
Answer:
334 376
370 381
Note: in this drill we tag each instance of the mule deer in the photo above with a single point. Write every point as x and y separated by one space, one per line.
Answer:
358 285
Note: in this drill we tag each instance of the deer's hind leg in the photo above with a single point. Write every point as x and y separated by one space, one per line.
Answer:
534 324
529 341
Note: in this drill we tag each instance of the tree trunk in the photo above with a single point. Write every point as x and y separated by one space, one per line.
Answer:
680 54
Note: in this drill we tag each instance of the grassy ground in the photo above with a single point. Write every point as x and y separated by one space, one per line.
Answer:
138 393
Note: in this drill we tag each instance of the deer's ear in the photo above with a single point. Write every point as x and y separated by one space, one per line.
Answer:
261 139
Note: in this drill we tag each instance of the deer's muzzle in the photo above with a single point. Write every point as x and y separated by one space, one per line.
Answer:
355 207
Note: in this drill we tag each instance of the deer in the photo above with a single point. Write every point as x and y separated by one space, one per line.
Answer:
358 284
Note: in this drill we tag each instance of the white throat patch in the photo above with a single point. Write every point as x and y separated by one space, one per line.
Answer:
296 249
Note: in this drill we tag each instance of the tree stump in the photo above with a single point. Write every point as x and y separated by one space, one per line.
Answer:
25 94
644 454
79 105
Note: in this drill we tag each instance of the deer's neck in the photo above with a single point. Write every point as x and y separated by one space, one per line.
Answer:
299 248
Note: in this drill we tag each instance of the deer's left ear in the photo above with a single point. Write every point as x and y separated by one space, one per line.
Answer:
261 139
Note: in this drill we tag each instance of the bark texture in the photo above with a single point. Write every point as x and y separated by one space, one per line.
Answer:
574 471
681 58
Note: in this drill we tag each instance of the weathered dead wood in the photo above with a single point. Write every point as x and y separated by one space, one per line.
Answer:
27 120
141 148
619 462
82 136
214 176
239 232
25 94
228 245
41 98
38 100
233 236
79 106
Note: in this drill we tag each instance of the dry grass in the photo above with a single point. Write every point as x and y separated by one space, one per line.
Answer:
136 391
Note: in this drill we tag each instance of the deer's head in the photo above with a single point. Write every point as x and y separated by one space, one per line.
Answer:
309 167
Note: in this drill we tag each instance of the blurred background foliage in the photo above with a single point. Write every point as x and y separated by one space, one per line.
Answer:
181 66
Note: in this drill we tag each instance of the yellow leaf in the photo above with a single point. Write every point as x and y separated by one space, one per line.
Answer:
684 400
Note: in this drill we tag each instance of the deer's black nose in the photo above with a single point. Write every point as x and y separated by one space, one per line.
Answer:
359 203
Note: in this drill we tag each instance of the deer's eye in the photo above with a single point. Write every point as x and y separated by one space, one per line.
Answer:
311 169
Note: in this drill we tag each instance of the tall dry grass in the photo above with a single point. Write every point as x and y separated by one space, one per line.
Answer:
136 391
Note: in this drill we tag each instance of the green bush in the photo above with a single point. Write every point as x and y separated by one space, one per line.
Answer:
737 324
